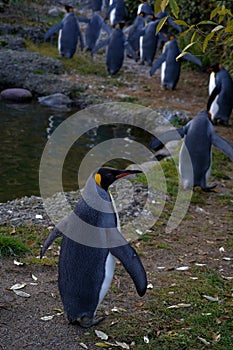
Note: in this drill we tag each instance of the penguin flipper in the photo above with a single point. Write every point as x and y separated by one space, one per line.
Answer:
106 28
133 265
158 142
54 234
223 145
100 45
83 20
53 30
157 64
174 25
192 58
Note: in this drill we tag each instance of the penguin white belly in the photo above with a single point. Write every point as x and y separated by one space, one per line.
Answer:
214 106
211 82
59 40
109 271
163 69
207 175
141 47
185 168
112 16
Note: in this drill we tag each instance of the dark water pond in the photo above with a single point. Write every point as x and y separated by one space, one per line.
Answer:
24 132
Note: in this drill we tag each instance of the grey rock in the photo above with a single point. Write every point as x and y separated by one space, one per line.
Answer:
57 100
16 95
34 72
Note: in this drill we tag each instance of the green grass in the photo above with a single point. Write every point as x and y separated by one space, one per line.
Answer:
181 327
81 63
11 246
26 241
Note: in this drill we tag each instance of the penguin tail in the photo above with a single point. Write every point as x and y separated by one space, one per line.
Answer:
54 234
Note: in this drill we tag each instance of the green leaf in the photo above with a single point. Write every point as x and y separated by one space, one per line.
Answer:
207 22
229 27
206 41
216 29
160 24
157 6
181 22
181 55
188 46
174 8
193 37
214 13
181 35
228 40
164 4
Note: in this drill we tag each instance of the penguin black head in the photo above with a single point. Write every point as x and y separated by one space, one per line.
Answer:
68 8
106 176
215 67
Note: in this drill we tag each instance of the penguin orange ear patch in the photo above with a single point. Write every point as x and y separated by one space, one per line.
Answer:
98 179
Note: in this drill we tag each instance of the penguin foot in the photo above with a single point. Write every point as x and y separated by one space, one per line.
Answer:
86 321
210 187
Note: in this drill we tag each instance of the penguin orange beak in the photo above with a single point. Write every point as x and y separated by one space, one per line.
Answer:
128 172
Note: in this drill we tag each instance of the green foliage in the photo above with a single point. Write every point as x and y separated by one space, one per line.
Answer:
206 23
11 246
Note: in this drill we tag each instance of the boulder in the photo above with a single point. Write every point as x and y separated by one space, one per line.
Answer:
16 95
57 100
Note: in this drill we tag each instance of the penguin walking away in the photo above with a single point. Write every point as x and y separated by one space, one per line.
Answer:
220 102
93 30
199 136
116 12
69 33
135 31
116 45
91 241
170 67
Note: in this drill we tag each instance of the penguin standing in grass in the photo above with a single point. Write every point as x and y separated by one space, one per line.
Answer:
91 242
195 154
220 102
170 66
69 33
116 45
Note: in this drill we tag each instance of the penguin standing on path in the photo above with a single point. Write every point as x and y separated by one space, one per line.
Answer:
195 154
91 241
116 44
220 102
170 66
69 33
94 26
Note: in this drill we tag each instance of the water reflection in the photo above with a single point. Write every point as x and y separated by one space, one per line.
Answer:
24 132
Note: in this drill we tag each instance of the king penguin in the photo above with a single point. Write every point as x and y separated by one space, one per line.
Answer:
91 242
199 136
170 66
116 45
220 102
94 26
69 33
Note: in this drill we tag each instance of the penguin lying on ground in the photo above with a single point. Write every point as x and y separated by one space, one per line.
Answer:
199 136
69 33
94 27
170 70
220 102
116 44
91 241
